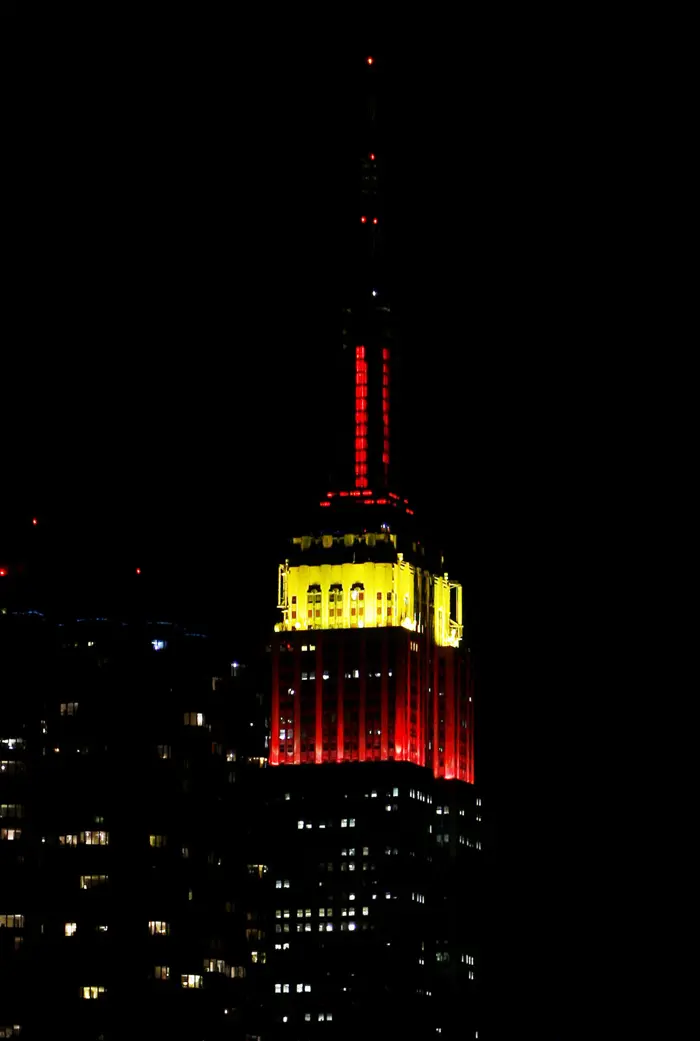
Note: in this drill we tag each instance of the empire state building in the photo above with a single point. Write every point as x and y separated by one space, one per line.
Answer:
372 843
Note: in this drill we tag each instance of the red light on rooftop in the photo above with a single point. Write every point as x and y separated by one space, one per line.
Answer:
34 520
363 220
324 504
138 570
372 156
370 61
375 221
3 572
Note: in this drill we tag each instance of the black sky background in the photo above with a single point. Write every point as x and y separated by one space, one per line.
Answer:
170 242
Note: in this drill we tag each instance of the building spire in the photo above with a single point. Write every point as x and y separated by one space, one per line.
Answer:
368 333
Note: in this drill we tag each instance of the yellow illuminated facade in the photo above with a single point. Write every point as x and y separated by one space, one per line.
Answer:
346 593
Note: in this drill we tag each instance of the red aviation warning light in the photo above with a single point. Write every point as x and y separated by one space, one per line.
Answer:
3 572
372 157
34 521
370 61
375 221
138 570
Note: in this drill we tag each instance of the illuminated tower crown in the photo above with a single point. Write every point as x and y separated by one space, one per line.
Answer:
367 663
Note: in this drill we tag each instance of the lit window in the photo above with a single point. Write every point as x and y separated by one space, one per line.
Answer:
162 972
92 992
11 766
10 834
69 708
159 928
194 719
158 840
218 965
300 824
11 921
70 928
12 809
191 981
92 881
68 840
164 751
95 838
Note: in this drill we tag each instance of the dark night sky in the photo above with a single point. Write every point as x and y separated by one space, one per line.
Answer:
169 244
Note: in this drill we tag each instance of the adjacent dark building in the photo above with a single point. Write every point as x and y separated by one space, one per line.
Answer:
128 780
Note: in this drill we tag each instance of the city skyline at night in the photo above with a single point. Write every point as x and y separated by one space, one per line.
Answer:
198 317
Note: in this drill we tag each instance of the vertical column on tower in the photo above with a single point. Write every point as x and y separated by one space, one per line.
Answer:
384 717
362 742
451 700
385 412
275 728
297 705
360 418
340 707
402 667
319 698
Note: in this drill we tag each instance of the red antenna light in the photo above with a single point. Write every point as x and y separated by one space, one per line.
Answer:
370 61
138 570
372 156
34 520
3 572
363 220
375 221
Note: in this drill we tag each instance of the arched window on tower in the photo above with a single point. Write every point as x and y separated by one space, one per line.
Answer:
335 605
313 610
357 604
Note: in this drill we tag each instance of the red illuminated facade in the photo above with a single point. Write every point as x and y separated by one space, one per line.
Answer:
367 695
